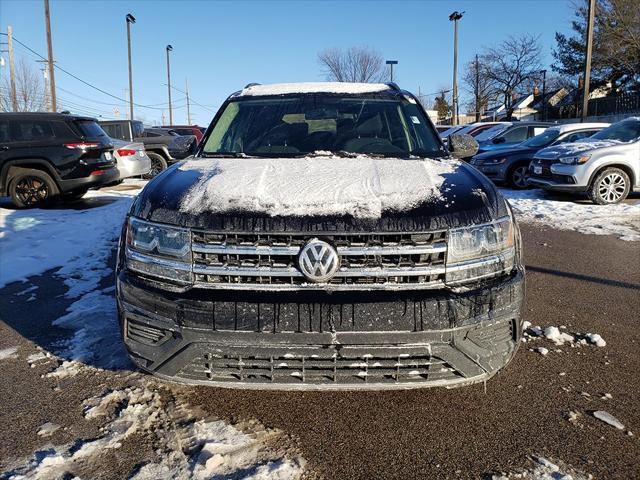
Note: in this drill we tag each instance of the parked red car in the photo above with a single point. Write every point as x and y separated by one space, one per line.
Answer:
187 130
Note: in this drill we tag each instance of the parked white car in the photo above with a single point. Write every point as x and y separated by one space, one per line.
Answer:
131 159
606 165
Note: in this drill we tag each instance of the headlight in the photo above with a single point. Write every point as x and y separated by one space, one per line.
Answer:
578 160
480 251
495 161
159 250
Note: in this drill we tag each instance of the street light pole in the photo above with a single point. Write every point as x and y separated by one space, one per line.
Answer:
169 49
544 92
454 17
391 63
130 19
587 63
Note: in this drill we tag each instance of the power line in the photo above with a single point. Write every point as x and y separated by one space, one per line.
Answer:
79 79
192 100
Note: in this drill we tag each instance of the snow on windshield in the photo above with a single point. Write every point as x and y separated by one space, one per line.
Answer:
313 87
362 186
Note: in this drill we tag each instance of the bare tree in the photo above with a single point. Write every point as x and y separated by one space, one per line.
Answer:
477 82
356 64
30 90
511 64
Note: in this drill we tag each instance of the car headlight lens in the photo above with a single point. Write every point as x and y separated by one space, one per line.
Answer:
159 250
496 161
480 251
576 160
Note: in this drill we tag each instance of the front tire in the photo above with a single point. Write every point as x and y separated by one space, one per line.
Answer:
31 188
610 186
519 177
158 164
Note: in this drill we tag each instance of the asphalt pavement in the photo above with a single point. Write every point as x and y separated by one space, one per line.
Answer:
588 283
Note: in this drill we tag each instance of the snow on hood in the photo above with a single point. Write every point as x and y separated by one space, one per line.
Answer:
569 149
361 187
313 87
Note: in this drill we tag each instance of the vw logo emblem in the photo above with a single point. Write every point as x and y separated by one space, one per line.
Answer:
318 261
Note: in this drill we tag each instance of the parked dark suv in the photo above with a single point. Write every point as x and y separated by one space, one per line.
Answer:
49 156
323 237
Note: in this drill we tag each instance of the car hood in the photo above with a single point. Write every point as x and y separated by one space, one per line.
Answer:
571 149
320 193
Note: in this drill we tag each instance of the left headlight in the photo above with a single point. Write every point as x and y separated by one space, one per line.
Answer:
578 160
159 250
481 251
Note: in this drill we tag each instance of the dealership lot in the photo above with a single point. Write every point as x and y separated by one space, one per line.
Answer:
90 411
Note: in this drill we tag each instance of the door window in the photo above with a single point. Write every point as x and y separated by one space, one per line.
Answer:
518 134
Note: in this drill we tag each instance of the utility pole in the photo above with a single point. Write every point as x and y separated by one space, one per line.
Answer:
454 17
587 63
45 75
130 19
476 89
169 48
188 107
12 70
52 78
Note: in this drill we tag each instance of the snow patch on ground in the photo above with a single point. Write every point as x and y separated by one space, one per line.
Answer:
608 419
362 187
622 220
544 469
313 87
7 353
186 447
36 240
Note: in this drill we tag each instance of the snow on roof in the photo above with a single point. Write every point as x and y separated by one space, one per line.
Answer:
313 87
362 187
569 127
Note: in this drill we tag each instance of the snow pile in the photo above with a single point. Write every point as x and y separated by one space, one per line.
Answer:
186 448
622 220
362 187
544 469
559 336
314 87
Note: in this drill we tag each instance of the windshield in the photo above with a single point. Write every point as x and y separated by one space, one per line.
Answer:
90 129
544 139
295 126
625 131
489 133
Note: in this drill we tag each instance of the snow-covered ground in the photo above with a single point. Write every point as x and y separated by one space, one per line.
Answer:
567 213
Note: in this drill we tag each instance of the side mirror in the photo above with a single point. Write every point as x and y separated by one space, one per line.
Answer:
462 145
499 140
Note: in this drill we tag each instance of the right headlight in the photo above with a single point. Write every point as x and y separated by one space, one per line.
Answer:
480 251
158 250
577 160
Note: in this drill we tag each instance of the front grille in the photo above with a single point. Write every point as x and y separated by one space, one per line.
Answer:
271 260
144 333
317 365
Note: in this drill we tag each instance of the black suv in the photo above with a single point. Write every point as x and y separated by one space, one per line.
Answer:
49 156
323 237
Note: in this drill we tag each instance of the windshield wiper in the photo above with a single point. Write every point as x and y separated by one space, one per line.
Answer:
223 155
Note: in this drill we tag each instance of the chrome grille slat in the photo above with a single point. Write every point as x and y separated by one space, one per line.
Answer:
367 260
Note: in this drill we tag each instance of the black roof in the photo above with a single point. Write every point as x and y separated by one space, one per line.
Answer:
45 116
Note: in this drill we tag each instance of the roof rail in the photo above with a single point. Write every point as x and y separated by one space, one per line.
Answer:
393 86
248 85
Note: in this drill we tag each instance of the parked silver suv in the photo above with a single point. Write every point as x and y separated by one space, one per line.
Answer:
605 165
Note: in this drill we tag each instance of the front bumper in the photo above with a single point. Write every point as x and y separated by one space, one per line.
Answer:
316 340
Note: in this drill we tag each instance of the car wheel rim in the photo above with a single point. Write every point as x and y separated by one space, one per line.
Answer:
520 177
612 187
32 190
156 168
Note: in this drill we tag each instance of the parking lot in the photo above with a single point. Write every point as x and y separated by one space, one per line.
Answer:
73 405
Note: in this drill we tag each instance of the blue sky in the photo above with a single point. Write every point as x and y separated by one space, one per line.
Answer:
222 45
